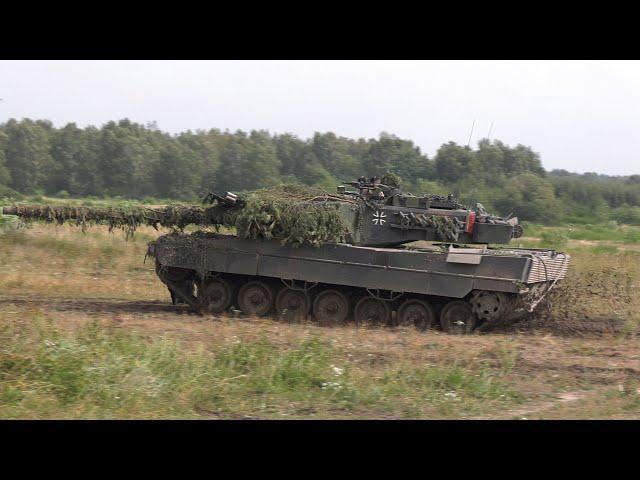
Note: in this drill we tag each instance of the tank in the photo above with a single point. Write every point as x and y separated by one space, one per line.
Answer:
370 253
377 274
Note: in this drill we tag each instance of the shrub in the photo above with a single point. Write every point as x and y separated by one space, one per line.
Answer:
554 239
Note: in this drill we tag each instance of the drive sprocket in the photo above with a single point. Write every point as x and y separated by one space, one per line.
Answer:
489 305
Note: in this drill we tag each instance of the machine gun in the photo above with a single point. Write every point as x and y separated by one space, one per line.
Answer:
227 200
372 189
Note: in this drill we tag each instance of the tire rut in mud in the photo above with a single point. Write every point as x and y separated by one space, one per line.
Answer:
539 322
565 326
94 305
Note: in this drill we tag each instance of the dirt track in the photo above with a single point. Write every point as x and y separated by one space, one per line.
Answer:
93 305
538 323
596 326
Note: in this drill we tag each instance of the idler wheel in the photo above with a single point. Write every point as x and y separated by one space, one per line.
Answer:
255 298
371 311
294 304
331 307
457 317
417 313
217 295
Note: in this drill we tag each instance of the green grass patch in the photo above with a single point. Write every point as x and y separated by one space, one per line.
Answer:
554 239
603 249
8 223
55 246
610 231
100 372
632 235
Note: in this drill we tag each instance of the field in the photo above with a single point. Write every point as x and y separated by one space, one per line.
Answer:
87 331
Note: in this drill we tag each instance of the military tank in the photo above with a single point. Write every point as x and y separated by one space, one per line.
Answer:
377 274
370 252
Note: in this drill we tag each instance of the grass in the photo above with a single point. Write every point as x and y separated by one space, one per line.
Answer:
61 260
98 372
591 240
610 232
553 239
8 223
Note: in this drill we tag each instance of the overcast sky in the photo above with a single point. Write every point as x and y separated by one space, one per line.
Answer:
579 115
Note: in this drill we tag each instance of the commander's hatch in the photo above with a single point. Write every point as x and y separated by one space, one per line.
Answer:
472 256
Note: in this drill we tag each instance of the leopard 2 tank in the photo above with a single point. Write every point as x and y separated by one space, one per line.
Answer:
374 273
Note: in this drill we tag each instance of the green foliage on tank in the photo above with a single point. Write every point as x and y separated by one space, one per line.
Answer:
374 214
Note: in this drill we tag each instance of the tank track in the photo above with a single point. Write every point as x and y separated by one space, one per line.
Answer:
330 304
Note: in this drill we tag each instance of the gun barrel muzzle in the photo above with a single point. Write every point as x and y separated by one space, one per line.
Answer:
9 210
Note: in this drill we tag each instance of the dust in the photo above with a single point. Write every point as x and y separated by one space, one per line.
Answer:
594 302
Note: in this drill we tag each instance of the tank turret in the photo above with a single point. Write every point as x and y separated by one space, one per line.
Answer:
388 216
372 213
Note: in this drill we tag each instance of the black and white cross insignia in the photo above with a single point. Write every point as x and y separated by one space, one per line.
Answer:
379 218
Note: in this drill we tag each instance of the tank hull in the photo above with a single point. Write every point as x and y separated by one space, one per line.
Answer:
446 273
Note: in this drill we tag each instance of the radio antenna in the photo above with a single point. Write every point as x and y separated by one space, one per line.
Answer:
489 134
472 125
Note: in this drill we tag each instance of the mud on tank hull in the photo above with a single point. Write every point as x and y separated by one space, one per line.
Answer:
454 287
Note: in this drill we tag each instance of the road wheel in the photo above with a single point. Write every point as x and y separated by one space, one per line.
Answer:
293 304
216 295
371 311
255 298
457 317
417 313
489 305
331 307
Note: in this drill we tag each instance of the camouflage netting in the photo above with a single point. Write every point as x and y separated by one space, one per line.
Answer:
447 229
128 219
297 215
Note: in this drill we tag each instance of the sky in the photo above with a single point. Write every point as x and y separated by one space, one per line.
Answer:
582 116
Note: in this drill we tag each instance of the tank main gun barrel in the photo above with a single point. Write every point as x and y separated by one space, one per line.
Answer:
126 218
295 215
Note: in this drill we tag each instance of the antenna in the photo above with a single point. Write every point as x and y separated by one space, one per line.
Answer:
489 134
473 125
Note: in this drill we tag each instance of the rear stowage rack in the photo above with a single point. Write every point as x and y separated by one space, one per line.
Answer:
547 267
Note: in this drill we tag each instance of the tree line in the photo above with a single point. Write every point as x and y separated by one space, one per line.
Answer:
129 160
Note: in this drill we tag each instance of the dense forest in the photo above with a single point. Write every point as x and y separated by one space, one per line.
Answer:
129 160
